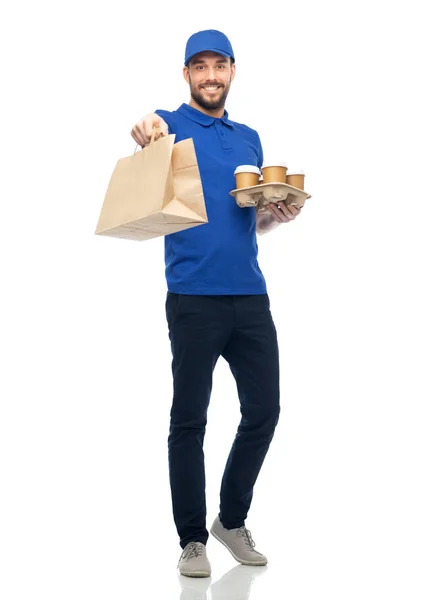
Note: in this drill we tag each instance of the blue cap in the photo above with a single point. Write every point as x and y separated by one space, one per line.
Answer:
209 40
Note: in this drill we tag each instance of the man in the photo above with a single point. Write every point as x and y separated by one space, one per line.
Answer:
217 305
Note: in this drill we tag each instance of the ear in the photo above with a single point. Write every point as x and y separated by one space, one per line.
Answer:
186 74
233 71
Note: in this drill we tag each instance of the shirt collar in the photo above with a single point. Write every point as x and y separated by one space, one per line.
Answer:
201 118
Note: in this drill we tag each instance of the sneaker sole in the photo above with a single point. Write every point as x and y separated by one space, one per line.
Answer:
195 573
248 563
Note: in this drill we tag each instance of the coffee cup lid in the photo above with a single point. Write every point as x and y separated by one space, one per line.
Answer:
277 163
247 169
295 172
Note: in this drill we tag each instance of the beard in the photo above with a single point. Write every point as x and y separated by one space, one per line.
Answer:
210 103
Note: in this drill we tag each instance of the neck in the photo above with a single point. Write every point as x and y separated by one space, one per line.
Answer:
218 113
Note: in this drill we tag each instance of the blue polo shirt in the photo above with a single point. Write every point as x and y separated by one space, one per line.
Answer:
219 257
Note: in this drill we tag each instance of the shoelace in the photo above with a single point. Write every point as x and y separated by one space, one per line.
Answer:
194 549
246 534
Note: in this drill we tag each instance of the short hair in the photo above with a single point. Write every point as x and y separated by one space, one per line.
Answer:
229 58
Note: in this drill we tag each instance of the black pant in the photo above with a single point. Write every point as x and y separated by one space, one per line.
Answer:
202 328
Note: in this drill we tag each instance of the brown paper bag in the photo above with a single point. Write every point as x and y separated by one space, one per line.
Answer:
154 192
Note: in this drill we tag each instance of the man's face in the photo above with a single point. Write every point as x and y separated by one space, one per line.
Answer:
209 76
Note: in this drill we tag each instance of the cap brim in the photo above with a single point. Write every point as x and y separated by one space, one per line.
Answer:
215 50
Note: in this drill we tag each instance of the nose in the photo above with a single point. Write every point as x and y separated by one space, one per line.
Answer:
211 74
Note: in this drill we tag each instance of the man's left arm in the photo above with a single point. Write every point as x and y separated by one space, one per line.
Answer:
274 216
276 213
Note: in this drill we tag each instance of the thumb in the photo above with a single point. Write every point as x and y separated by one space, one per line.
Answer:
162 126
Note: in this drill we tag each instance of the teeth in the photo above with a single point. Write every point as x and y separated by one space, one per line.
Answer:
211 87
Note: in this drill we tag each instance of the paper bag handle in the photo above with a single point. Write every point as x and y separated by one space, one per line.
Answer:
152 138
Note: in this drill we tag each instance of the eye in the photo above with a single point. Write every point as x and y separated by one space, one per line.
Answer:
221 66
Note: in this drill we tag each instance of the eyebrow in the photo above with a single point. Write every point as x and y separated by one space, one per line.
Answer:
201 61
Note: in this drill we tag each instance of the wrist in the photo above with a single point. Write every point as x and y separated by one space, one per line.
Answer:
265 221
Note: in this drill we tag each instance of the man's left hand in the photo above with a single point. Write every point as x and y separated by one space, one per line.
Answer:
283 213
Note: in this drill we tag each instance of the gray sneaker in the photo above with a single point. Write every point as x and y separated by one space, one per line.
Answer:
239 542
194 561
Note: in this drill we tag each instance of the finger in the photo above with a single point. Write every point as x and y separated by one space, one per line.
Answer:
135 136
138 136
154 134
164 129
284 212
294 210
277 213
146 132
158 132
161 127
271 211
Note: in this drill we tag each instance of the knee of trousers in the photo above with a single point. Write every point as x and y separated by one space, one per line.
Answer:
273 417
266 421
188 416
187 428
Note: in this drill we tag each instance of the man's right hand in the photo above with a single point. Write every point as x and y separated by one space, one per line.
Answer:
142 131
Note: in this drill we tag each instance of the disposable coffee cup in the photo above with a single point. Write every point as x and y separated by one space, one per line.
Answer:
296 179
246 176
274 172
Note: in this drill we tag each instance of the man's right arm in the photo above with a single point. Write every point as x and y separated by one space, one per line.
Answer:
142 131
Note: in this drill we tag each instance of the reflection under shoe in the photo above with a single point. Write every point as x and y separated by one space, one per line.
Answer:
194 588
236 583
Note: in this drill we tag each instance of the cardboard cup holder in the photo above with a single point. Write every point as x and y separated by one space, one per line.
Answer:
261 195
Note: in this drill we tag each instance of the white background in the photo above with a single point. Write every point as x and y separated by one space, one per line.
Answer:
347 502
